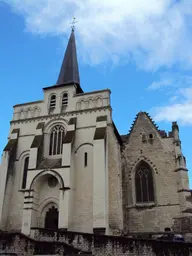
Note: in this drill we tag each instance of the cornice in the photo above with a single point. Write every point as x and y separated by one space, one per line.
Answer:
59 115
28 103
94 92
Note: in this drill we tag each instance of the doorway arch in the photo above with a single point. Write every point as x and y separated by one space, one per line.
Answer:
51 218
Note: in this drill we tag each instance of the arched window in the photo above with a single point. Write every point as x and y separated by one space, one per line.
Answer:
144 183
52 104
64 102
56 140
25 169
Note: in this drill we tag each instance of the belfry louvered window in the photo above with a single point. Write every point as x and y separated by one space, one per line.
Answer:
52 104
56 140
64 102
144 184
25 170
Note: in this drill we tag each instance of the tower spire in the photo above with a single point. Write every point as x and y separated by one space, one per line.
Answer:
69 73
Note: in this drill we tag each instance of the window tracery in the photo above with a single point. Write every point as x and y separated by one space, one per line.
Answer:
56 140
144 184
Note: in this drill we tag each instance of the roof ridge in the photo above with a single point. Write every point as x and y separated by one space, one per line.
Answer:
135 120
133 124
152 121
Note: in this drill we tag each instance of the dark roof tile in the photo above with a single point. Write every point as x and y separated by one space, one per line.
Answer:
69 137
40 125
100 133
10 145
37 141
101 118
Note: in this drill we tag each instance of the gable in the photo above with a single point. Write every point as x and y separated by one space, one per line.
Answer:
145 128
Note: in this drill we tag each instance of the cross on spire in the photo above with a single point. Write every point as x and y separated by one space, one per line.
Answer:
73 23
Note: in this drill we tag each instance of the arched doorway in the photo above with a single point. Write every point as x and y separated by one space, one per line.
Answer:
51 218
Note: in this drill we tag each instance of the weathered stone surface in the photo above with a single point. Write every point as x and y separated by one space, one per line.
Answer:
159 154
73 243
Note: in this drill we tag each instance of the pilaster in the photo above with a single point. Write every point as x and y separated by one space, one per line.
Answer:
63 206
3 179
67 143
65 195
29 212
36 147
6 174
100 194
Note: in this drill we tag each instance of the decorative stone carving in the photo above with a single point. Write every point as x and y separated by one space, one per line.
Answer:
89 103
29 112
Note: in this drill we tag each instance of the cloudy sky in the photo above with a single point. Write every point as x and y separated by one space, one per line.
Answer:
141 50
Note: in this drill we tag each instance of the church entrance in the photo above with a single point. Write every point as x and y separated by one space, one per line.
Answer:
51 218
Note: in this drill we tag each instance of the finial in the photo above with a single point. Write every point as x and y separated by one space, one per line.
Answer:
73 23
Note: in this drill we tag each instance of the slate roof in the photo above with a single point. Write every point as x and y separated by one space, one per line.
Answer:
37 141
69 73
100 133
10 145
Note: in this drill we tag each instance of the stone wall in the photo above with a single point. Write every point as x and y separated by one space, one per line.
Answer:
159 154
183 224
115 245
114 184
71 243
21 245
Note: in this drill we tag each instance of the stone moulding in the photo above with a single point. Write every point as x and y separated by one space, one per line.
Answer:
55 116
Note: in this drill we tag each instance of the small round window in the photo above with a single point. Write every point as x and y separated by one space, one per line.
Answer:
52 182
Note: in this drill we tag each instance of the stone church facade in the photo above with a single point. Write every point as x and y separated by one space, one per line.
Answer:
65 165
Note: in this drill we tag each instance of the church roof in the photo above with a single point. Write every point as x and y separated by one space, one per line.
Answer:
69 72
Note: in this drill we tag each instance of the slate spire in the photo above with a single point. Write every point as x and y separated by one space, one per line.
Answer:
69 73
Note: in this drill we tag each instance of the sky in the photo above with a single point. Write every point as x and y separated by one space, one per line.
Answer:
140 50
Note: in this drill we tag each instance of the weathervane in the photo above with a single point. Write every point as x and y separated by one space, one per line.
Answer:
73 23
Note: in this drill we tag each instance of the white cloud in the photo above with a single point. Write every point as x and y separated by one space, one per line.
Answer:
153 33
181 111
172 80
179 88
164 82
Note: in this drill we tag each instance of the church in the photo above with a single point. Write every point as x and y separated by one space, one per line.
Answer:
66 167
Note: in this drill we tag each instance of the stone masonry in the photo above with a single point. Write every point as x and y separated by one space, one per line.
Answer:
72 243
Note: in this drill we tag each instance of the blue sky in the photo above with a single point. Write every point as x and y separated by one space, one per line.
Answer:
141 50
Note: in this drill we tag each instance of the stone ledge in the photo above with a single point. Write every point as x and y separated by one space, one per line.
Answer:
141 205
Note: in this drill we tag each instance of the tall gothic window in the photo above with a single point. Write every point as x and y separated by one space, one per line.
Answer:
25 169
64 102
144 184
56 140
